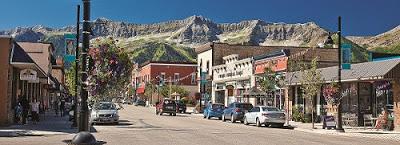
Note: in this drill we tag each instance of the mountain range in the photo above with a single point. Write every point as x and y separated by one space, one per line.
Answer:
176 40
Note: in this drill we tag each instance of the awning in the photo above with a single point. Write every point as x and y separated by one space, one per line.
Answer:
367 71
21 60
139 90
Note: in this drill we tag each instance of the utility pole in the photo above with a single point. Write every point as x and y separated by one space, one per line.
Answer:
78 11
84 112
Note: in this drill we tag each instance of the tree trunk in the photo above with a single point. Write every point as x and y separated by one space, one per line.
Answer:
312 117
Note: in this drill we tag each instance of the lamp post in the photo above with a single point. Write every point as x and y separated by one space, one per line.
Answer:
84 116
339 127
75 123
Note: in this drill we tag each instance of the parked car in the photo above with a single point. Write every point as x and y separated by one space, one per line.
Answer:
166 106
265 115
235 111
140 103
104 112
180 107
214 110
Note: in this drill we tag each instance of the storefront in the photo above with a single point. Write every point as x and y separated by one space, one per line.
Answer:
367 89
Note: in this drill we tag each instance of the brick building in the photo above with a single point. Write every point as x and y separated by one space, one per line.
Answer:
178 73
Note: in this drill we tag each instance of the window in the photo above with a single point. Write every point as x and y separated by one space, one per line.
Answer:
176 78
255 109
208 65
162 76
193 81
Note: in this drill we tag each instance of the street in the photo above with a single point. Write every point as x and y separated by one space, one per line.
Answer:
140 125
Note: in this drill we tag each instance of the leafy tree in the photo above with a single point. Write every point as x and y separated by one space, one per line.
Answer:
269 80
70 78
311 83
165 91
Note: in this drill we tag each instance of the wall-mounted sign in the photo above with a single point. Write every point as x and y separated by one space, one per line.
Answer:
37 80
28 75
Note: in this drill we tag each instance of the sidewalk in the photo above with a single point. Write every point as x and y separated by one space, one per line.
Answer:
349 131
49 124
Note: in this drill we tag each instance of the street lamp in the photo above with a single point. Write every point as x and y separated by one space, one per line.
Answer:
330 41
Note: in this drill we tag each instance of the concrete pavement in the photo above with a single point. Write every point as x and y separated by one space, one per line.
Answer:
140 125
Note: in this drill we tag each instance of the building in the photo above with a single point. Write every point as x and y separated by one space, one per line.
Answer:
170 73
5 95
367 88
232 79
212 54
41 53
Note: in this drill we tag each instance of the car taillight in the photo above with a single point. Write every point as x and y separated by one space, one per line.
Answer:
237 110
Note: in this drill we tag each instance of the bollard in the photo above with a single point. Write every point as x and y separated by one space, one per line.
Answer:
84 138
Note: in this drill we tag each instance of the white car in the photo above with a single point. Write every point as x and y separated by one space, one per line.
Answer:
104 112
266 115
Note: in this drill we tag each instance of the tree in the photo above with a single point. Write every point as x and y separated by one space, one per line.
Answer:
269 80
110 70
311 83
165 91
70 78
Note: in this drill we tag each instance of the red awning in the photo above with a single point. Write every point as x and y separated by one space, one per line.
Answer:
140 90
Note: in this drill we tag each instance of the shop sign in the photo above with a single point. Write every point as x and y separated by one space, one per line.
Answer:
383 85
37 80
28 75
346 56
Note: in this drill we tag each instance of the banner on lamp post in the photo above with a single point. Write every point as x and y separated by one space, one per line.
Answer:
346 56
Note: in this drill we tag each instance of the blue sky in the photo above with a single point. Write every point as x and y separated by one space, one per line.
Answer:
360 17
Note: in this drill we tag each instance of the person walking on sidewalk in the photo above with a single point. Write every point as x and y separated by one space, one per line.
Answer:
25 109
35 111
18 113
62 107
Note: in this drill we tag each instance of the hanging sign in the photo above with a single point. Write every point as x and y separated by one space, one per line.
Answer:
28 75
346 56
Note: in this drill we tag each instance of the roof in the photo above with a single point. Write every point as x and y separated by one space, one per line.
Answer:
31 47
167 62
254 92
386 69
272 54
19 55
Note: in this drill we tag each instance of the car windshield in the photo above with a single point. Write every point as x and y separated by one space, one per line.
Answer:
217 106
105 106
245 106
169 101
270 109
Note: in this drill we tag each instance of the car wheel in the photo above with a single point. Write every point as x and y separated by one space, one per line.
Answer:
170 114
232 119
245 121
223 118
204 116
220 118
208 116
174 114
258 124
160 113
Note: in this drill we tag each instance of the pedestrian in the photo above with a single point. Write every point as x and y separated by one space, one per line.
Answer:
18 113
25 109
62 107
55 106
35 111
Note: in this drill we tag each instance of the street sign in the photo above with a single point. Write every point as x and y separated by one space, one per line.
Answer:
346 56
203 79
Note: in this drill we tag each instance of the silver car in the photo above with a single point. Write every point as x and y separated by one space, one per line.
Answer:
104 112
266 115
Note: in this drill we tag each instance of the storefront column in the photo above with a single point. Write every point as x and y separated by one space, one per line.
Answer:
396 104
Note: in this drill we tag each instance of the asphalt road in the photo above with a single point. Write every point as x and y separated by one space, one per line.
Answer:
140 126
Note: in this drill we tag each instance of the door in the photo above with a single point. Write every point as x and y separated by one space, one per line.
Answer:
253 114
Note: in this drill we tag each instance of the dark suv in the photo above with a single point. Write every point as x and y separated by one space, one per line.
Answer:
180 107
166 106
235 111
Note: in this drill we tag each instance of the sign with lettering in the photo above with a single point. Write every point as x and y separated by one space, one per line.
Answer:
28 75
